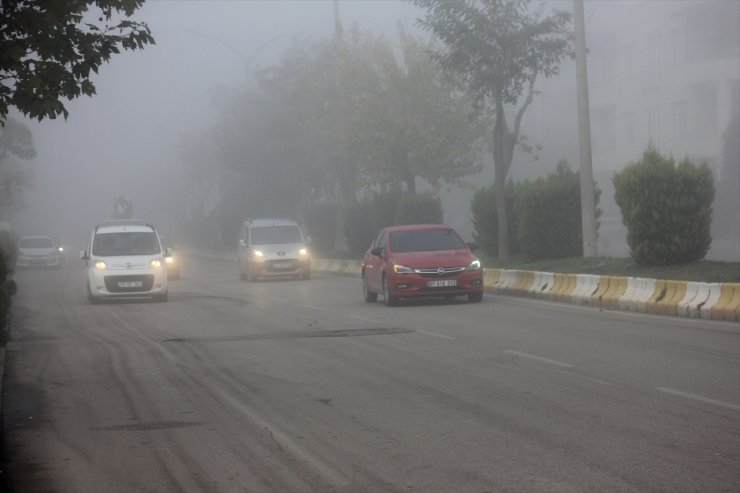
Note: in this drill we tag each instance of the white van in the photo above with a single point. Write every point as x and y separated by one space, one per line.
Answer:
272 248
125 259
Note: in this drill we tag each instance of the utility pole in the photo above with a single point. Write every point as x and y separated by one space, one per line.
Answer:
588 205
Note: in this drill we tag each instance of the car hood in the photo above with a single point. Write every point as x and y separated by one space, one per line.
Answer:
36 251
128 261
434 259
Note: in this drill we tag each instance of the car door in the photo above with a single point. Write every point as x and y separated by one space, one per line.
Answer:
375 264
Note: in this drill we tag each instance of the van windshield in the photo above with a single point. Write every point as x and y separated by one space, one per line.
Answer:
128 243
272 235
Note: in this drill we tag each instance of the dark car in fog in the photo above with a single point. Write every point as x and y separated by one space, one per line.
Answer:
421 260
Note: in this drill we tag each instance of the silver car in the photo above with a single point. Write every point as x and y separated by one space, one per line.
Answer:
272 248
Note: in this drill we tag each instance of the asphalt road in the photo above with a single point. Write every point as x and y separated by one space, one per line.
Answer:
293 386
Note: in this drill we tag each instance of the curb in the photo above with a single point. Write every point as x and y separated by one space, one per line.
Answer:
709 301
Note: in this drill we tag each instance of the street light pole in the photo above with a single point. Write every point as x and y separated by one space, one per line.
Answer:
588 202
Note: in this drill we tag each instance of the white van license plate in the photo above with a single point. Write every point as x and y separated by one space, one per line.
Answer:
130 284
442 284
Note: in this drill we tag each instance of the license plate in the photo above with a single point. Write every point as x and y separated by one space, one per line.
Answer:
282 265
446 283
130 284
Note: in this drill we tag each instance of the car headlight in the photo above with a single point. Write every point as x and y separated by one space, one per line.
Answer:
169 260
258 255
303 252
474 265
402 269
155 264
61 249
100 265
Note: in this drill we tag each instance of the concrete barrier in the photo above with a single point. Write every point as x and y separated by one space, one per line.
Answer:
726 307
674 293
586 286
695 294
617 287
543 283
523 284
715 291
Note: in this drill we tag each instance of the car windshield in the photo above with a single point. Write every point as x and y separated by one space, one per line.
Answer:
128 243
425 240
35 243
270 235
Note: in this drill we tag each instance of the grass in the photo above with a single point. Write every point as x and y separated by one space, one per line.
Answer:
704 271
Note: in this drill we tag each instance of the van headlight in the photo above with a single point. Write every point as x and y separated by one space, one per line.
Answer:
258 255
303 252
100 265
474 265
155 264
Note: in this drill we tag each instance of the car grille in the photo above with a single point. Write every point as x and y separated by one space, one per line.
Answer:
440 273
111 283
281 266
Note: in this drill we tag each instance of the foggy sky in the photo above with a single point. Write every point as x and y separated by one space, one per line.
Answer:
124 139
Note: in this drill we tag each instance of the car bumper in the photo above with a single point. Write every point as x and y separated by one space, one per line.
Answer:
38 262
282 267
128 283
415 285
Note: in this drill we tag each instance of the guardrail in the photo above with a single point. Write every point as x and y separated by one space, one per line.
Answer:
710 301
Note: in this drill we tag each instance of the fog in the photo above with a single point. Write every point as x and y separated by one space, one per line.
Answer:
127 139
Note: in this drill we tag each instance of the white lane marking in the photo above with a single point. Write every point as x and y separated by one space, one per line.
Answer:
539 358
434 334
314 307
698 398
365 319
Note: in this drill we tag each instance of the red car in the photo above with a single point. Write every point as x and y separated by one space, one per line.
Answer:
420 260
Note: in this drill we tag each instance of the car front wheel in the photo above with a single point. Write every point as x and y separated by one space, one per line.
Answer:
389 300
368 295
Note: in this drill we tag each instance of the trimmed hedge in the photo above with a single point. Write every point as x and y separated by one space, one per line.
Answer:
363 220
485 220
549 215
321 223
667 209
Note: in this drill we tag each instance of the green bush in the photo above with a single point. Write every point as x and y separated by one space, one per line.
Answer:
321 223
667 209
422 208
359 226
485 220
549 215
363 220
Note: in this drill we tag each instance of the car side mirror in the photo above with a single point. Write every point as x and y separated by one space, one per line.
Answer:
378 251
168 252
84 255
473 246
